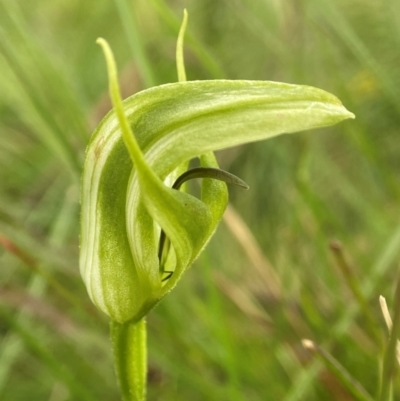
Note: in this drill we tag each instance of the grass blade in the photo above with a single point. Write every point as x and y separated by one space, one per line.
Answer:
352 385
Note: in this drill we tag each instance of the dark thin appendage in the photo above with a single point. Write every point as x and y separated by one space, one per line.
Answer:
170 273
209 172
198 172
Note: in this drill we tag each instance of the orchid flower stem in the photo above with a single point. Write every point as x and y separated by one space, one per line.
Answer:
130 358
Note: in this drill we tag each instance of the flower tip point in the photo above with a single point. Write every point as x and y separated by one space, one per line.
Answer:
102 42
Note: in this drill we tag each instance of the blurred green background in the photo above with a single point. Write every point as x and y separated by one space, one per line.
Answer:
232 329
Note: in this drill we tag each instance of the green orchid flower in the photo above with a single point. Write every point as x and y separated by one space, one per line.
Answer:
140 233
143 143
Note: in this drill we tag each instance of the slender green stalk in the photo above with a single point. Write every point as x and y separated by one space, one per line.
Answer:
207 60
352 385
354 285
130 358
180 62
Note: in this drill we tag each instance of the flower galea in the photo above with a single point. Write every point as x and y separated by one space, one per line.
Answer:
139 150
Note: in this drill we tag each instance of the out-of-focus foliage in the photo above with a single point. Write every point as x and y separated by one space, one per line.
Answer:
232 329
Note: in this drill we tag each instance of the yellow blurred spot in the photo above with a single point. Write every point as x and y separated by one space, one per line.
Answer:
364 84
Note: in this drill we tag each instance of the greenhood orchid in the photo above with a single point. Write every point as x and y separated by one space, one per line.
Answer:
141 146
139 231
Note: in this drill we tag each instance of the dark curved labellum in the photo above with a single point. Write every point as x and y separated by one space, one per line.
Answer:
198 172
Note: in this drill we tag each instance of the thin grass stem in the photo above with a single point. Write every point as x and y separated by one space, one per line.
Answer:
390 358
135 43
354 285
352 385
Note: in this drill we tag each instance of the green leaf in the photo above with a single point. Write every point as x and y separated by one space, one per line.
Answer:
125 200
